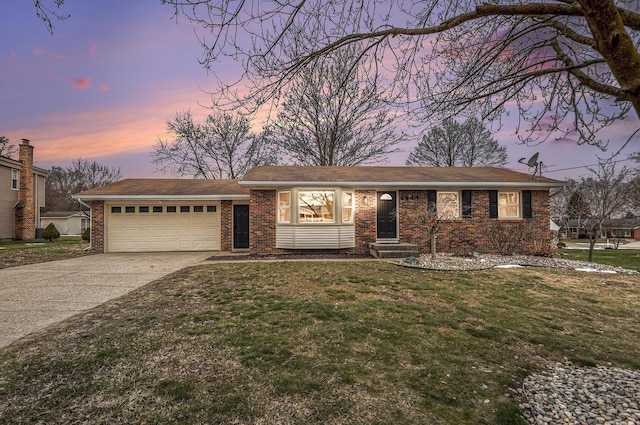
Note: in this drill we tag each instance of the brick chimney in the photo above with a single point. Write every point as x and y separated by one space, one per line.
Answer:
25 208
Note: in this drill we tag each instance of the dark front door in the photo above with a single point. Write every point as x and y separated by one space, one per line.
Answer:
240 226
387 221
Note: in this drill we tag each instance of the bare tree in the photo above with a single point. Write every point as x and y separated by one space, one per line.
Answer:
223 147
607 192
469 144
334 115
6 149
566 65
48 12
81 175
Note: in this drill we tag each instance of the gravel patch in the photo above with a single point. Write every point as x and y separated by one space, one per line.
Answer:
565 394
449 262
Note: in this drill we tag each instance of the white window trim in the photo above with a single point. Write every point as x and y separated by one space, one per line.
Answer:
337 206
518 206
15 177
438 205
349 207
282 207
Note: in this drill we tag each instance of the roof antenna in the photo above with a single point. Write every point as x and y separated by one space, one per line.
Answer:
535 166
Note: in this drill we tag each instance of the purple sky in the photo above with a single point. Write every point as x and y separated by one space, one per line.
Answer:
104 85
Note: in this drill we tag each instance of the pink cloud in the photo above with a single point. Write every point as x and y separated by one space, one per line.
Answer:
104 87
38 51
81 83
93 48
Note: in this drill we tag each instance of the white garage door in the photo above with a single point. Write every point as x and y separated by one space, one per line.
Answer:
163 227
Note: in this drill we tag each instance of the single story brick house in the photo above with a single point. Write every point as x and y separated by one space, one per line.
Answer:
282 209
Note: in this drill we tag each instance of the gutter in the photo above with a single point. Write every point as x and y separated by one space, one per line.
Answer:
162 197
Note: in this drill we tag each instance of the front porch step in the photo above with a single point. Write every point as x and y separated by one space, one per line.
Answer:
393 250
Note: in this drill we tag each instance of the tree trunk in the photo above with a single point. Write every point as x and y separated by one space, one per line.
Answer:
592 243
433 245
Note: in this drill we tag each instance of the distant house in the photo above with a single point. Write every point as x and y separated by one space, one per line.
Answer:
279 210
21 195
627 228
68 223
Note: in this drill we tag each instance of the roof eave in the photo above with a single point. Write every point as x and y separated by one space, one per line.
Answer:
360 184
156 197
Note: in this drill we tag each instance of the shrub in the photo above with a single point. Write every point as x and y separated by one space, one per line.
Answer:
86 235
50 232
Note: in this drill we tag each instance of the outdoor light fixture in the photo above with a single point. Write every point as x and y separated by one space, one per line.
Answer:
366 200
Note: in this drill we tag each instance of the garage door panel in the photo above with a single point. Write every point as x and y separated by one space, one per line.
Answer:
175 231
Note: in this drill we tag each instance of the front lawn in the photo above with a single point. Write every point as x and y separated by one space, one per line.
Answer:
319 343
626 258
19 253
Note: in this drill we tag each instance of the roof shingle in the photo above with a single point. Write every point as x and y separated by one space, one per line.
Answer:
391 175
167 187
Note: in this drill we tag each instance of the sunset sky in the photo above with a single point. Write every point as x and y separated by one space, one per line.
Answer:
104 84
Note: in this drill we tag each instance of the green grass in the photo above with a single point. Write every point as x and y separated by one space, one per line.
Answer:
626 258
319 343
18 253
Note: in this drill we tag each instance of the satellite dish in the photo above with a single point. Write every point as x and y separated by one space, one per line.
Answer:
533 163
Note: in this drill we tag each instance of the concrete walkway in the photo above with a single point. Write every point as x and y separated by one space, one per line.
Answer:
35 296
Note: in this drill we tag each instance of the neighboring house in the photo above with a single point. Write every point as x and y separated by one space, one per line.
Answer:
21 195
275 210
68 223
627 228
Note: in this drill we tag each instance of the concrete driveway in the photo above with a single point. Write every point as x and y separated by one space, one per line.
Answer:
35 296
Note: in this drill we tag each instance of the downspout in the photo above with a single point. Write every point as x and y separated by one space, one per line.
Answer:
90 224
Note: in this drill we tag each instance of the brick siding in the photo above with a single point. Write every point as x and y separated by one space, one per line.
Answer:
25 217
478 233
226 225
262 222
97 227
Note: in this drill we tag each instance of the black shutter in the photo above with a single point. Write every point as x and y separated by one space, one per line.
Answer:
466 203
432 200
527 208
493 204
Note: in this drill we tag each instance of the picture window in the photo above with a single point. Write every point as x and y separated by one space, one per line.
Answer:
316 206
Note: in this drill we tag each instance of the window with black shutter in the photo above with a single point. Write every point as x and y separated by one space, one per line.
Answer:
527 207
432 200
493 204
466 204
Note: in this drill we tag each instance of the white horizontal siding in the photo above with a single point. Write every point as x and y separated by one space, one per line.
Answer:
311 236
